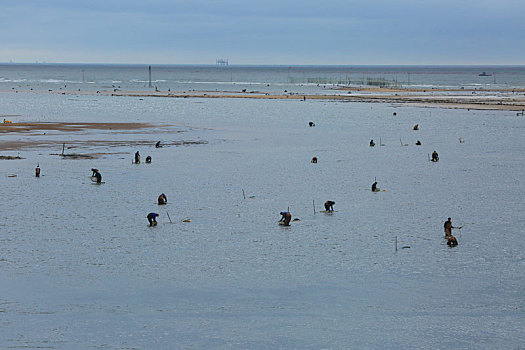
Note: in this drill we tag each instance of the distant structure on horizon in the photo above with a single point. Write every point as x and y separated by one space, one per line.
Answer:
221 62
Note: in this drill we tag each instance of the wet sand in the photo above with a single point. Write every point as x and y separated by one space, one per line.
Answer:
70 127
67 128
482 99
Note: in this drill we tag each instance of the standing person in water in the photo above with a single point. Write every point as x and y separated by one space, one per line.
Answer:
152 219
329 205
372 143
162 199
286 217
137 157
447 227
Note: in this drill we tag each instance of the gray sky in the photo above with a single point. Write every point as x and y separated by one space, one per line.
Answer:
263 32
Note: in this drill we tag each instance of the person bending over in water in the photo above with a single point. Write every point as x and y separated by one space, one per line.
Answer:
94 171
447 226
329 205
311 124
148 159
97 175
374 187
314 160
137 157
418 143
157 145
162 199
286 217
372 143
416 127
152 218
435 156
452 241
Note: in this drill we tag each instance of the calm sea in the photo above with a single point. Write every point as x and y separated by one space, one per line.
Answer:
81 269
263 78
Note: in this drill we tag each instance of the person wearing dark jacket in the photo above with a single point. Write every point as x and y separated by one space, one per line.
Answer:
152 219
329 205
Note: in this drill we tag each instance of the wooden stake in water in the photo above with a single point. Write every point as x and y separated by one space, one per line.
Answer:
313 202
169 217
63 146
243 194
396 243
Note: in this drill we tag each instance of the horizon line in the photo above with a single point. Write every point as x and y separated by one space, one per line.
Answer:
271 65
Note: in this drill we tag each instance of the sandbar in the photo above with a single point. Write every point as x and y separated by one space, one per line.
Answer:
51 135
482 99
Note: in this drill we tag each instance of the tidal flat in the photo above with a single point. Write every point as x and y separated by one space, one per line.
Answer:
81 268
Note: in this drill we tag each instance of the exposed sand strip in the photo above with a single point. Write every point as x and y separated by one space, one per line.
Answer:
498 99
36 139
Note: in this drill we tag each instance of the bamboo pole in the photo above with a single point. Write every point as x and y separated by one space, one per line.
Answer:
396 243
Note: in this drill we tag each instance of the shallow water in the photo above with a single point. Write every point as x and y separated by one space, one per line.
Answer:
80 268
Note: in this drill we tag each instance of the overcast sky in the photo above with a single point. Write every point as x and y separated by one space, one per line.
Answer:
263 31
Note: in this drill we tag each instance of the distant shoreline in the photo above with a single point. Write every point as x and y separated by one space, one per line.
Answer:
480 99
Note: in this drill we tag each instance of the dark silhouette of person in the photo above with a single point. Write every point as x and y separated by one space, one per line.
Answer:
97 175
447 227
435 156
162 199
329 205
286 217
152 219
452 241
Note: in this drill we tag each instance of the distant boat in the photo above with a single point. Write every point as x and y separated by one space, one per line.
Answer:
484 74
